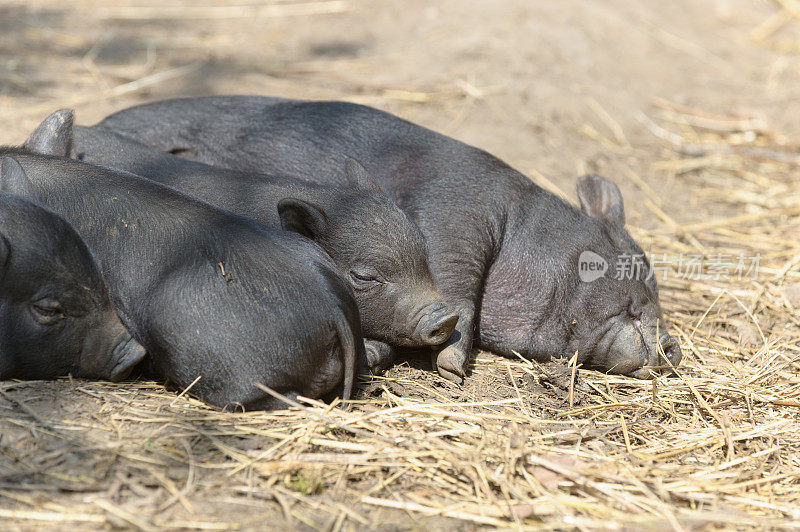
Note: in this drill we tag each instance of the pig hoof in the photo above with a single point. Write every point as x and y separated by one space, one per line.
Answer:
380 356
450 363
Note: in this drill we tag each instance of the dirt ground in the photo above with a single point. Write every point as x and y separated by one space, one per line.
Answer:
690 106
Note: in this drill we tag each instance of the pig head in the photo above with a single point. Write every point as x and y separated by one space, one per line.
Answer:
589 288
56 317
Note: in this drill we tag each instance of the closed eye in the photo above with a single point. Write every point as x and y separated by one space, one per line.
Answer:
364 277
47 311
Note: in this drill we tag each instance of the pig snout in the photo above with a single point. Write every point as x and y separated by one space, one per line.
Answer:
652 352
672 350
127 353
435 325
110 352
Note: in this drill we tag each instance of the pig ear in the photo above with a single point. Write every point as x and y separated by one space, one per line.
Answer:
301 217
14 180
600 198
358 177
54 135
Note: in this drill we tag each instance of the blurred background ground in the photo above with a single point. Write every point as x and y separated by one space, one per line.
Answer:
537 83
690 106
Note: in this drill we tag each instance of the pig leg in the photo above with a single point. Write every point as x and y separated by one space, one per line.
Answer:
458 264
451 360
459 275
380 356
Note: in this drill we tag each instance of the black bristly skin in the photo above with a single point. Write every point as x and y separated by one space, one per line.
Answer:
375 245
207 293
503 252
55 314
